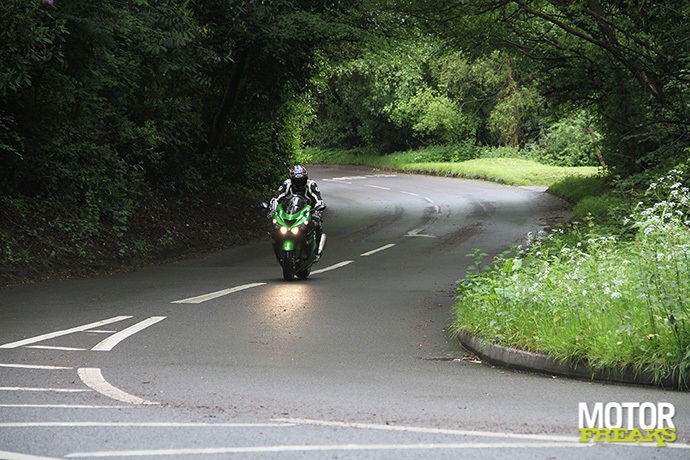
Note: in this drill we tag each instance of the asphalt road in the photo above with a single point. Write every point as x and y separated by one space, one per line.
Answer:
218 357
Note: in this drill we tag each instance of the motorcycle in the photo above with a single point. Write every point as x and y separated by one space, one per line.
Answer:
294 236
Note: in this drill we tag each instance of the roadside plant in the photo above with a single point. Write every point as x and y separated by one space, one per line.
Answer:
582 294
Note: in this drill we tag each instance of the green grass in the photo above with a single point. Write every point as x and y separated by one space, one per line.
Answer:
511 171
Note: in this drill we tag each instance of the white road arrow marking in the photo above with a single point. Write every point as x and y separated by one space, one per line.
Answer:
416 231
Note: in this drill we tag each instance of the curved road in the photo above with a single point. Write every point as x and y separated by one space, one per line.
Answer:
218 357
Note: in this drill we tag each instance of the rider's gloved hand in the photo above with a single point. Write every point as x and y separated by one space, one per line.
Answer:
316 216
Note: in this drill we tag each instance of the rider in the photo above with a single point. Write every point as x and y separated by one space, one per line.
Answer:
300 184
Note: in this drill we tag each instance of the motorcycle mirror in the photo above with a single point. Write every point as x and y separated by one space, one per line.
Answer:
264 205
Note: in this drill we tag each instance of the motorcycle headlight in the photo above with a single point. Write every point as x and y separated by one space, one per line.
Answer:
283 230
294 230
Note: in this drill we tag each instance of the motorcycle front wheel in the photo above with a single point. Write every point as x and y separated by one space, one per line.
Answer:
288 265
303 274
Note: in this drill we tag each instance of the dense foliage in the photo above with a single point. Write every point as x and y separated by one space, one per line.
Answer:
121 113
610 75
626 62
415 92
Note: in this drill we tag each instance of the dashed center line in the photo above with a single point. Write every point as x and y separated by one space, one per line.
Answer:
378 187
214 295
333 267
374 251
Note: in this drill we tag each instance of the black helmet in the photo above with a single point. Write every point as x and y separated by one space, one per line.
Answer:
298 176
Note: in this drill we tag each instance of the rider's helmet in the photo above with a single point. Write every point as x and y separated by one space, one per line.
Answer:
298 176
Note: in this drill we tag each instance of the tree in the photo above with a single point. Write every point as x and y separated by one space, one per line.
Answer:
416 91
263 55
627 59
115 110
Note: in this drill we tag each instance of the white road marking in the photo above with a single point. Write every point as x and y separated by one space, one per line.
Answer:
49 347
348 178
410 193
101 331
109 343
416 231
142 425
213 295
433 205
382 175
61 406
374 251
4 455
445 431
332 267
58 390
51 335
34 366
320 448
377 186
93 378
544 439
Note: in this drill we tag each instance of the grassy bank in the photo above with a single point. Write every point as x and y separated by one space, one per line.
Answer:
511 171
613 296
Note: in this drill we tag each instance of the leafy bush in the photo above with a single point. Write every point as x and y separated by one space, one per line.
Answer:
570 141
431 116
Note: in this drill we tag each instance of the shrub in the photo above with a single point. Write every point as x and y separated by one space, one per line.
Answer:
568 142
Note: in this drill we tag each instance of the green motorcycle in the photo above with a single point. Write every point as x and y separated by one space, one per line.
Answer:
294 236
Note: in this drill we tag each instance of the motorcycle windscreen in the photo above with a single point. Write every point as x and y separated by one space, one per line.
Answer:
293 204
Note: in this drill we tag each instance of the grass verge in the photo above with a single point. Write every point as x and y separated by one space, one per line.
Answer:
511 171
613 300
